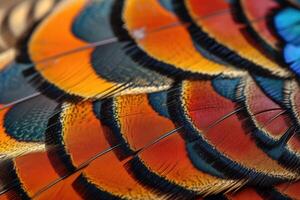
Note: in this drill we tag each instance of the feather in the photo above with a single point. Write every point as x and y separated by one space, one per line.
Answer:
93 74
149 99
17 17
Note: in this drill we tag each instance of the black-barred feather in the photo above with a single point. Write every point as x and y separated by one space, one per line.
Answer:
149 99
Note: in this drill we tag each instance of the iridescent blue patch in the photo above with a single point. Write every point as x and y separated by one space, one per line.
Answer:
287 24
273 87
28 121
13 84
226 87
167 4
93 23
158 101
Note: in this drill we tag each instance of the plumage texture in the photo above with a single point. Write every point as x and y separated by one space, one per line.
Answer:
149 99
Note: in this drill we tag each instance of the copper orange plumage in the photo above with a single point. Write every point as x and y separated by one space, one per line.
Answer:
149 99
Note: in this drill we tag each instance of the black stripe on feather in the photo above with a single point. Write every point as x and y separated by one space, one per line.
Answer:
249 32
211 45
59 157
199 147
286 158
10 181
135 165
140 56
87 190
272 194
